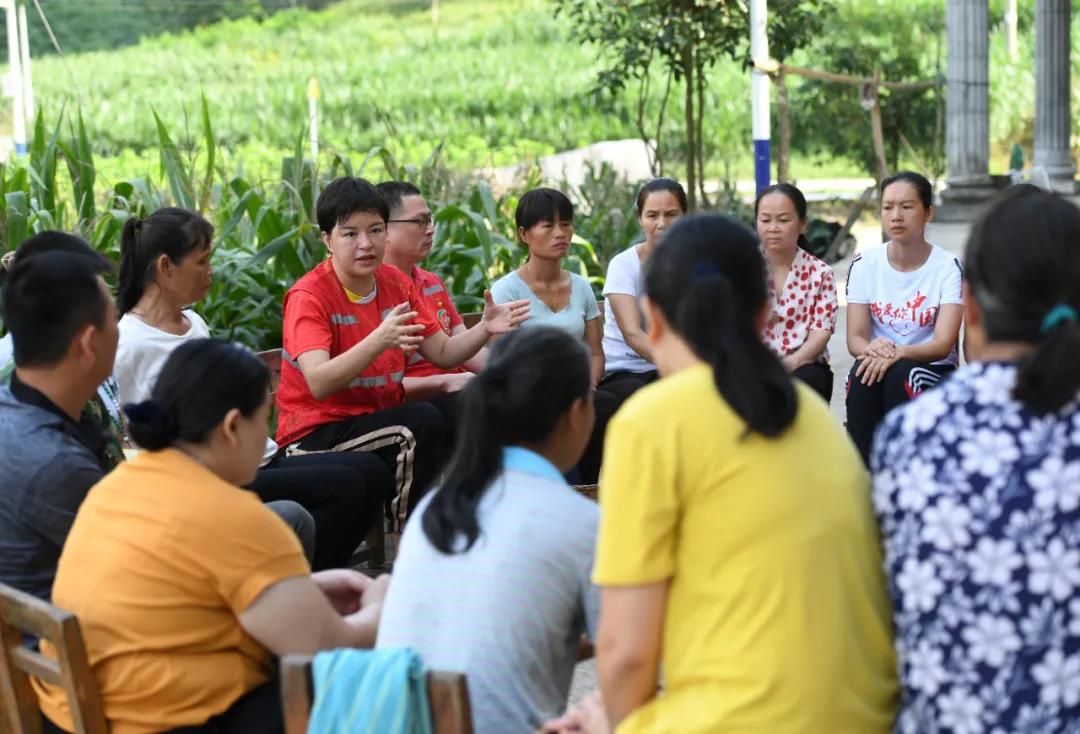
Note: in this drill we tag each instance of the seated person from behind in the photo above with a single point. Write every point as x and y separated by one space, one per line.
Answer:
63 325
493 575
104 407
350 325
409 234
186 585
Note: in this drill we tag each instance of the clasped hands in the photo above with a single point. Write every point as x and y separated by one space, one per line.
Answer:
879 356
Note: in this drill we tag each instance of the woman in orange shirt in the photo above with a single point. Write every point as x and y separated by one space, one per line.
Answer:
187 586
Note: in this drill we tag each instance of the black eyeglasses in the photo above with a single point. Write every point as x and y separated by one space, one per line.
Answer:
421 222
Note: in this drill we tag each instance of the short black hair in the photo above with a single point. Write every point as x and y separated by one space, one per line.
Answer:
661 184
56 241
796 197
346 196
48 297
393 192
918 181
542 205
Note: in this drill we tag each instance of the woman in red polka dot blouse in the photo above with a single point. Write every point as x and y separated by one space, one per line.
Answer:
803 289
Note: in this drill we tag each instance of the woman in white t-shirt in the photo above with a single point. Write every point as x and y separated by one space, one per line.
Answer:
164 267
627 357
904 311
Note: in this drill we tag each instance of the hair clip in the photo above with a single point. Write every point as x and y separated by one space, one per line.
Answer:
1056 315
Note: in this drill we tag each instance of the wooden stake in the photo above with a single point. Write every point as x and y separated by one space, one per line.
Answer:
783 157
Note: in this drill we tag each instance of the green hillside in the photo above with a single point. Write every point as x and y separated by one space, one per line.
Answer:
499 81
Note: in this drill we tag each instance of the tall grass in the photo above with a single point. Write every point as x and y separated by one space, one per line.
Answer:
266 233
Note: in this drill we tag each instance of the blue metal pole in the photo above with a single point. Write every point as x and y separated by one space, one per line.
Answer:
759 52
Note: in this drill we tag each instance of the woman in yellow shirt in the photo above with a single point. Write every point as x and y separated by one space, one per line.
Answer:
738 556
185 585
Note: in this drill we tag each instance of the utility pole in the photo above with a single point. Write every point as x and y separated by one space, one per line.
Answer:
14 81
1012 19
759 52
27 82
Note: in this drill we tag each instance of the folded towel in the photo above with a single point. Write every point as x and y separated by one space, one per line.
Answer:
370 691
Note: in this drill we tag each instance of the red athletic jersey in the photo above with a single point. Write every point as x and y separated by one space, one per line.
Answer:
320 314
434 294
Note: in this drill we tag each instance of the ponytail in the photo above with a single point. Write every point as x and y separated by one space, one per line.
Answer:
708 278
168 231
1035 298
533 377
134 271
477 460
1049 376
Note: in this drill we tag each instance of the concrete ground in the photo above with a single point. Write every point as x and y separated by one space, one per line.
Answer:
950 236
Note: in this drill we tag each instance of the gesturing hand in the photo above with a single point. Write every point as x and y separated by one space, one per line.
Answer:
500 318
397 330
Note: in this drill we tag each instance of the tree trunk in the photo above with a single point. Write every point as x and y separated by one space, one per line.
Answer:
876 132
688 113
783 157
700 146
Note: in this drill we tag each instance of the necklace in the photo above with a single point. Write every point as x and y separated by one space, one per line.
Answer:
554 304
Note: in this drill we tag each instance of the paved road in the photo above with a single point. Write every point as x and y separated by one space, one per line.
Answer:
950 236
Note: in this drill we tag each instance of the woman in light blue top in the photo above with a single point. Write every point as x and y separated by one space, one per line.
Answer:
492 578
559 298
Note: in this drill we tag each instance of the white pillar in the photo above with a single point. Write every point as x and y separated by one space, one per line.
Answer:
1052 95
14 78
28 84
967 108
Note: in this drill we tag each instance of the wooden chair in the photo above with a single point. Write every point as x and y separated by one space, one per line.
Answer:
588 490
272 359
21 614
448 693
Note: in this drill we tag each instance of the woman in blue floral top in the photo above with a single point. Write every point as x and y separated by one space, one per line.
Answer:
977 488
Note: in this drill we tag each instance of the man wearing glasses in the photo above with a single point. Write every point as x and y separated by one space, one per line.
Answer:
410 231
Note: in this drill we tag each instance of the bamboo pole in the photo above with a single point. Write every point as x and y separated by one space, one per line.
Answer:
876 128
775 67
783 157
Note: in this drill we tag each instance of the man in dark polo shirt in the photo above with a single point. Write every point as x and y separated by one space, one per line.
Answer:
62 320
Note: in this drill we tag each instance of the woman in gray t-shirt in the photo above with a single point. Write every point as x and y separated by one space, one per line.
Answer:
492 577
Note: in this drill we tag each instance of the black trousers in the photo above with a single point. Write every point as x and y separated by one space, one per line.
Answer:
344 493
409 439
624 384
257 712
867 405
818 376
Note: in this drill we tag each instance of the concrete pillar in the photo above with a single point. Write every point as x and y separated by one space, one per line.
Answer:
1052 121
967 109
